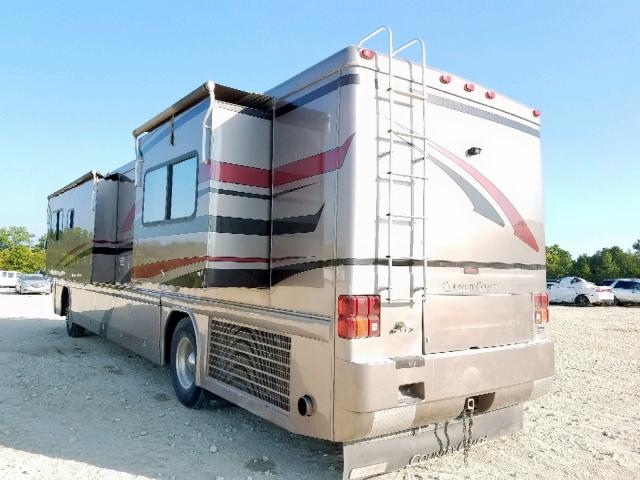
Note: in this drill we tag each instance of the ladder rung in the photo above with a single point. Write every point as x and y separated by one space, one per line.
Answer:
406 259
401 300
402 175
405 217
405 134
408 94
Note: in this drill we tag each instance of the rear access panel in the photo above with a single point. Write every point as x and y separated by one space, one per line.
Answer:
459 322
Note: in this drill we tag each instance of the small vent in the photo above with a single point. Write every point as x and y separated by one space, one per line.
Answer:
254 361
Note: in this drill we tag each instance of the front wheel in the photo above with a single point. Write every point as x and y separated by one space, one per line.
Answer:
183 365
582 301
73 330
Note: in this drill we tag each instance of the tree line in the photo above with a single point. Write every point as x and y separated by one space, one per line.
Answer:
605 263
20 251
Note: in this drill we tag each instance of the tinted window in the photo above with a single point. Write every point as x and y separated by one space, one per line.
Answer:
11 274
170 191
155 195
4 274
183 188
623 284
56 224
70 218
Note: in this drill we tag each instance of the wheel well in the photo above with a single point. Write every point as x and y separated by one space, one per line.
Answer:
64 300
170 326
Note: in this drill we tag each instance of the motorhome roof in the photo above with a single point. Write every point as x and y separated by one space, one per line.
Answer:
223 93
92 175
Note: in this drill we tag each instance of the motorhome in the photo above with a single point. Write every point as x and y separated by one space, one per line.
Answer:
356 255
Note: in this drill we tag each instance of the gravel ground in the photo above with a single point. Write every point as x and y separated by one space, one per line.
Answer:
86 409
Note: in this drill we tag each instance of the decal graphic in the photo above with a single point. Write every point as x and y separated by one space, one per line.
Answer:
520 227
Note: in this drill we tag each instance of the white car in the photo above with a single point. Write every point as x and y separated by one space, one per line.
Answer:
626 290
8 278
33 283
578 291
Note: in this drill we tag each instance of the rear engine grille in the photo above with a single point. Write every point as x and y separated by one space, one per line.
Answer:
254 361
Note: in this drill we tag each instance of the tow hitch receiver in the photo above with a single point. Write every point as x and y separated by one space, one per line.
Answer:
366 458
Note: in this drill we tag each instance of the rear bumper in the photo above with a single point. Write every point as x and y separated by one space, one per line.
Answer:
601 298
369 397
386 454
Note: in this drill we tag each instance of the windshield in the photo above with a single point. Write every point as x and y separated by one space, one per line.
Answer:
33 277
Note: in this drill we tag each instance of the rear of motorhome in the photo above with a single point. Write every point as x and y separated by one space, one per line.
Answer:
356 255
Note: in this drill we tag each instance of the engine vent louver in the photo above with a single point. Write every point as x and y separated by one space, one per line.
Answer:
254 361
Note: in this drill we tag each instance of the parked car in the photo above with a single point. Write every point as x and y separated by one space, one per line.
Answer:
33 283
8 278
626 290
580 292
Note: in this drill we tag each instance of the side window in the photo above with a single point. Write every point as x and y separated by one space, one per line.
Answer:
70 219
170 191
623 284
56 224
12 275
4 274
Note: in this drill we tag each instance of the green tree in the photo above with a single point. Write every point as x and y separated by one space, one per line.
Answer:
11 236
581 267
559 262
636 246
22 259
605 266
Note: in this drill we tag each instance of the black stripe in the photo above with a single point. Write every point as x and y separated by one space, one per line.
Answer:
111 249
281 273
350 79
251 226
303 224
234 193
240 277
478 112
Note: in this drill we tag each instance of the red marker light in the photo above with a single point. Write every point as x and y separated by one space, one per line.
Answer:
490 94
536 113
367 54
445 79
469 87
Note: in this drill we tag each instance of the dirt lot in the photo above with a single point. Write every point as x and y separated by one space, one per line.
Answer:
86 409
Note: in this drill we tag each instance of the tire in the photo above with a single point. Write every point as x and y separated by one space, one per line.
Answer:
73 330
616 301
183 364
582 301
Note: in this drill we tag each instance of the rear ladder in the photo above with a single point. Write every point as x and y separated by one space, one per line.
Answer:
417 140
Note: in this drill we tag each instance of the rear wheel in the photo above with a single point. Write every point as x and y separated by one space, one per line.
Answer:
73 330
582 301
183 365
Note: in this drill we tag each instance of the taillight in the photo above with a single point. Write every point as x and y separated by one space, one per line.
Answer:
541 307
358 316
604 289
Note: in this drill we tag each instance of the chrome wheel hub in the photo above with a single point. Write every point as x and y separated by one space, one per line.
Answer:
186 363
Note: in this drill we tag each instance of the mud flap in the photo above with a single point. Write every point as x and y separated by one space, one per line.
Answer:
365 458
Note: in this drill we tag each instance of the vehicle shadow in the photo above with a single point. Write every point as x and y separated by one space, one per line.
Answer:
90 401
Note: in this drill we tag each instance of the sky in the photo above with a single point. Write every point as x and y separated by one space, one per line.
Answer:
77 77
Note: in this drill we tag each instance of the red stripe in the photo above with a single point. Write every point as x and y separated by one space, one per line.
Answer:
520 227
156 268
314 165
152 269
258 177
127 223
234 173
